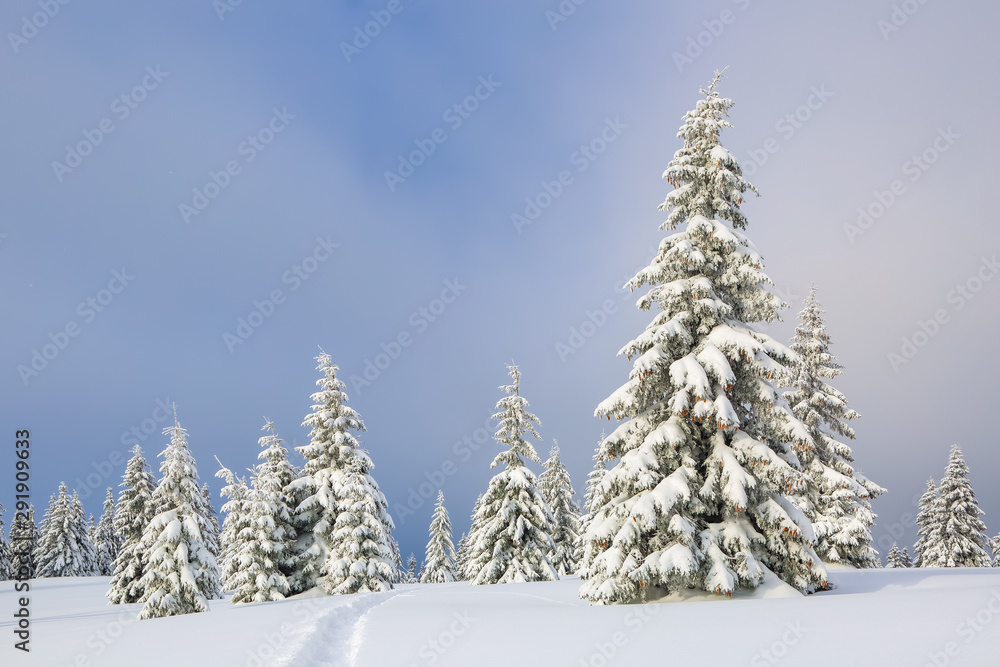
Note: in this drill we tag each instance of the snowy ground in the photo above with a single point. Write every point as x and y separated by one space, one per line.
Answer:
874 617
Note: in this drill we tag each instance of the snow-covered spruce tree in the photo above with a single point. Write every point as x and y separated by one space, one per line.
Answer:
557 489
925 514
837 500
213 530
439 561
6 558
411 570
592 500
181 574
996 550
957 537
237 493
466 568
64 549
510 539
345 532
106 540
133 514
701 495
895 559
906 558
461 556
23 540
265 549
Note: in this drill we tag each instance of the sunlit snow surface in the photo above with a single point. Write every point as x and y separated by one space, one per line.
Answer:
873 617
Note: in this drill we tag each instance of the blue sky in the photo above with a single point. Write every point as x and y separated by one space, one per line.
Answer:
838 98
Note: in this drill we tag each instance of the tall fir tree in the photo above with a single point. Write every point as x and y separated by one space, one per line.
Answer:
707 465
6 558
106 540
837 500
24 536
510 539
895 558
439 561
236 508
345 531
925 515
265 549
181 574
133 514
64 549
557 489
957 537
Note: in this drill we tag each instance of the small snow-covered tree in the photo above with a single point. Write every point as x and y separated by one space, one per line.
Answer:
461 556
133 514
411 570
925 515
106 540
345 531
265 548
213 530
957 537
707 465
837 499
6 558
237 494
439 562
64 549
906 558
23 541
181 573
895 559
510 539
996 550
557 489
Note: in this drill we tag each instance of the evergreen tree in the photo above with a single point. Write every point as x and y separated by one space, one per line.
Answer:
181 573
106 539
592 501
212 533
896 558
345 544
461 557
509 538
906 558
996 550
837 500
411 570
6 558
23 541
265 548
925 514
957 537
557 489
439 563
237 520
133 514
64 549
707 465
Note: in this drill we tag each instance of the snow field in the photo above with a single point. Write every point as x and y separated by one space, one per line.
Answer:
869 619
